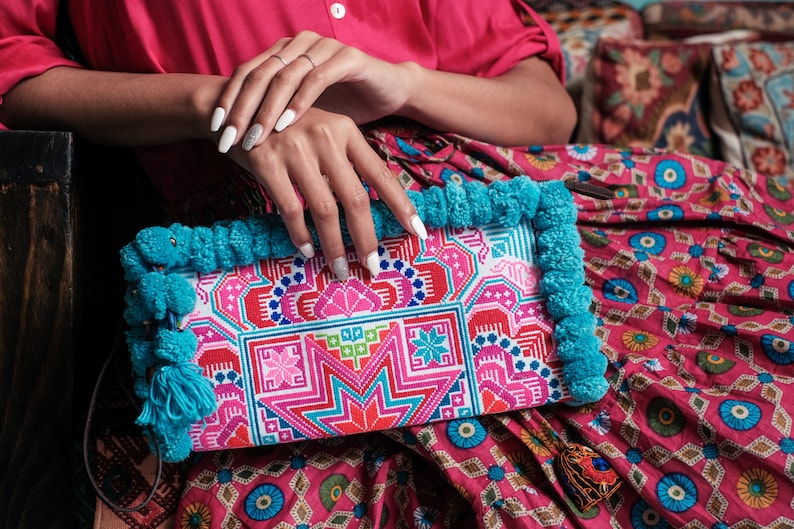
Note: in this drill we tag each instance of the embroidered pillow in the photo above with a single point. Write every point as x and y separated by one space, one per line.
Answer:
579 29
679 19
753 114
648 94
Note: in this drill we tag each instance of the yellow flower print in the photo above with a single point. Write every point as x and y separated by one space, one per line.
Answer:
757 488
637 341
540 161
686 281
196 516
533 441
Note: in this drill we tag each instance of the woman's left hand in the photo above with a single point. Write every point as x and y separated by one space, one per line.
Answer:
275 88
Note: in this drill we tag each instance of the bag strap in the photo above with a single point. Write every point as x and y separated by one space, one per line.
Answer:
87 435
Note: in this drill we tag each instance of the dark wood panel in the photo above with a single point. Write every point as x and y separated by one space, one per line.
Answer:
36 329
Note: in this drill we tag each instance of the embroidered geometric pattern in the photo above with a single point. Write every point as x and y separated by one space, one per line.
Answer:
453 326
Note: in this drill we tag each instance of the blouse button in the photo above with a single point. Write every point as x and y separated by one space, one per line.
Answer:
337 10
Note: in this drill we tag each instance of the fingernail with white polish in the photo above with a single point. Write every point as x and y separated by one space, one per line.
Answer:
307 250
227 139
373 264
217 119
419 227
251 137
340 268
285 120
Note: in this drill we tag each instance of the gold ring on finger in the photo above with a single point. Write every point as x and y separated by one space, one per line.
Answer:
314 64
282 59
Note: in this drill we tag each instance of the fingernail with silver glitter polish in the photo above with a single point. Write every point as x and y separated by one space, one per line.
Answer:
373 264
307 250
340 268
217 119
419 227
227 139
251 137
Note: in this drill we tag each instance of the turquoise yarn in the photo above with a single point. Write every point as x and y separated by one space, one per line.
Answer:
178 396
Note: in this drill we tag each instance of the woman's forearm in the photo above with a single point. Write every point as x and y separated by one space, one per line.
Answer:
525 106
114 108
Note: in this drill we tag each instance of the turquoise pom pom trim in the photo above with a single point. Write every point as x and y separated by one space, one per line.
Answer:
175 395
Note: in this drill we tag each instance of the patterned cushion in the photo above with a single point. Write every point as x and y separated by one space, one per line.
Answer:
754 90
684 18
648 94
651 94
579 26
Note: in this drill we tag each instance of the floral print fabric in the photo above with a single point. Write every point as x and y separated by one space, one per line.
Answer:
691 267
756 81
648 94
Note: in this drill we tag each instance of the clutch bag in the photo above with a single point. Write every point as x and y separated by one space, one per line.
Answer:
237 340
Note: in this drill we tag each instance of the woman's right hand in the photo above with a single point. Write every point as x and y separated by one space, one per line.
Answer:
275 88
321 159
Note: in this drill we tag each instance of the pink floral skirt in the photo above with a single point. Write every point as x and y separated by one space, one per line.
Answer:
692 273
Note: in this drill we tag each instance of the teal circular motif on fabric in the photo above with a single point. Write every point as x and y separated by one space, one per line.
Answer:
264 502
665 418
466 433
777 349
670 174
648 242
676 492
739 414
643 516
664 213
620 290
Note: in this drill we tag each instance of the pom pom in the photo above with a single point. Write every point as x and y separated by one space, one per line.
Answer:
418 200
547 218
135 310
506 209
175 346
180 297
575 327
585 378
480 207
141 350
528 193
570 350
554 194
132 262
280 243
556 280
377 218
435 207
223 249
202 250
240 241
182 235
151 289
175 445
458 212
178 396
260 237
567 302
157 247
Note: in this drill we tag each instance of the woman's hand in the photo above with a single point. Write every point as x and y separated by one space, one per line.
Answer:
276 88
323 159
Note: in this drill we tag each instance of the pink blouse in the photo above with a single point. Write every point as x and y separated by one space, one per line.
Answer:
214 36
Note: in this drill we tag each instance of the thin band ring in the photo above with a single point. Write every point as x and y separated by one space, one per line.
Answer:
314 65
282 59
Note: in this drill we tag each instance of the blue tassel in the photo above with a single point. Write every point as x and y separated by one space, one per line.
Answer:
178 396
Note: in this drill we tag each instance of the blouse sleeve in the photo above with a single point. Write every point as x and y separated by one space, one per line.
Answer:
489 38
27 41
